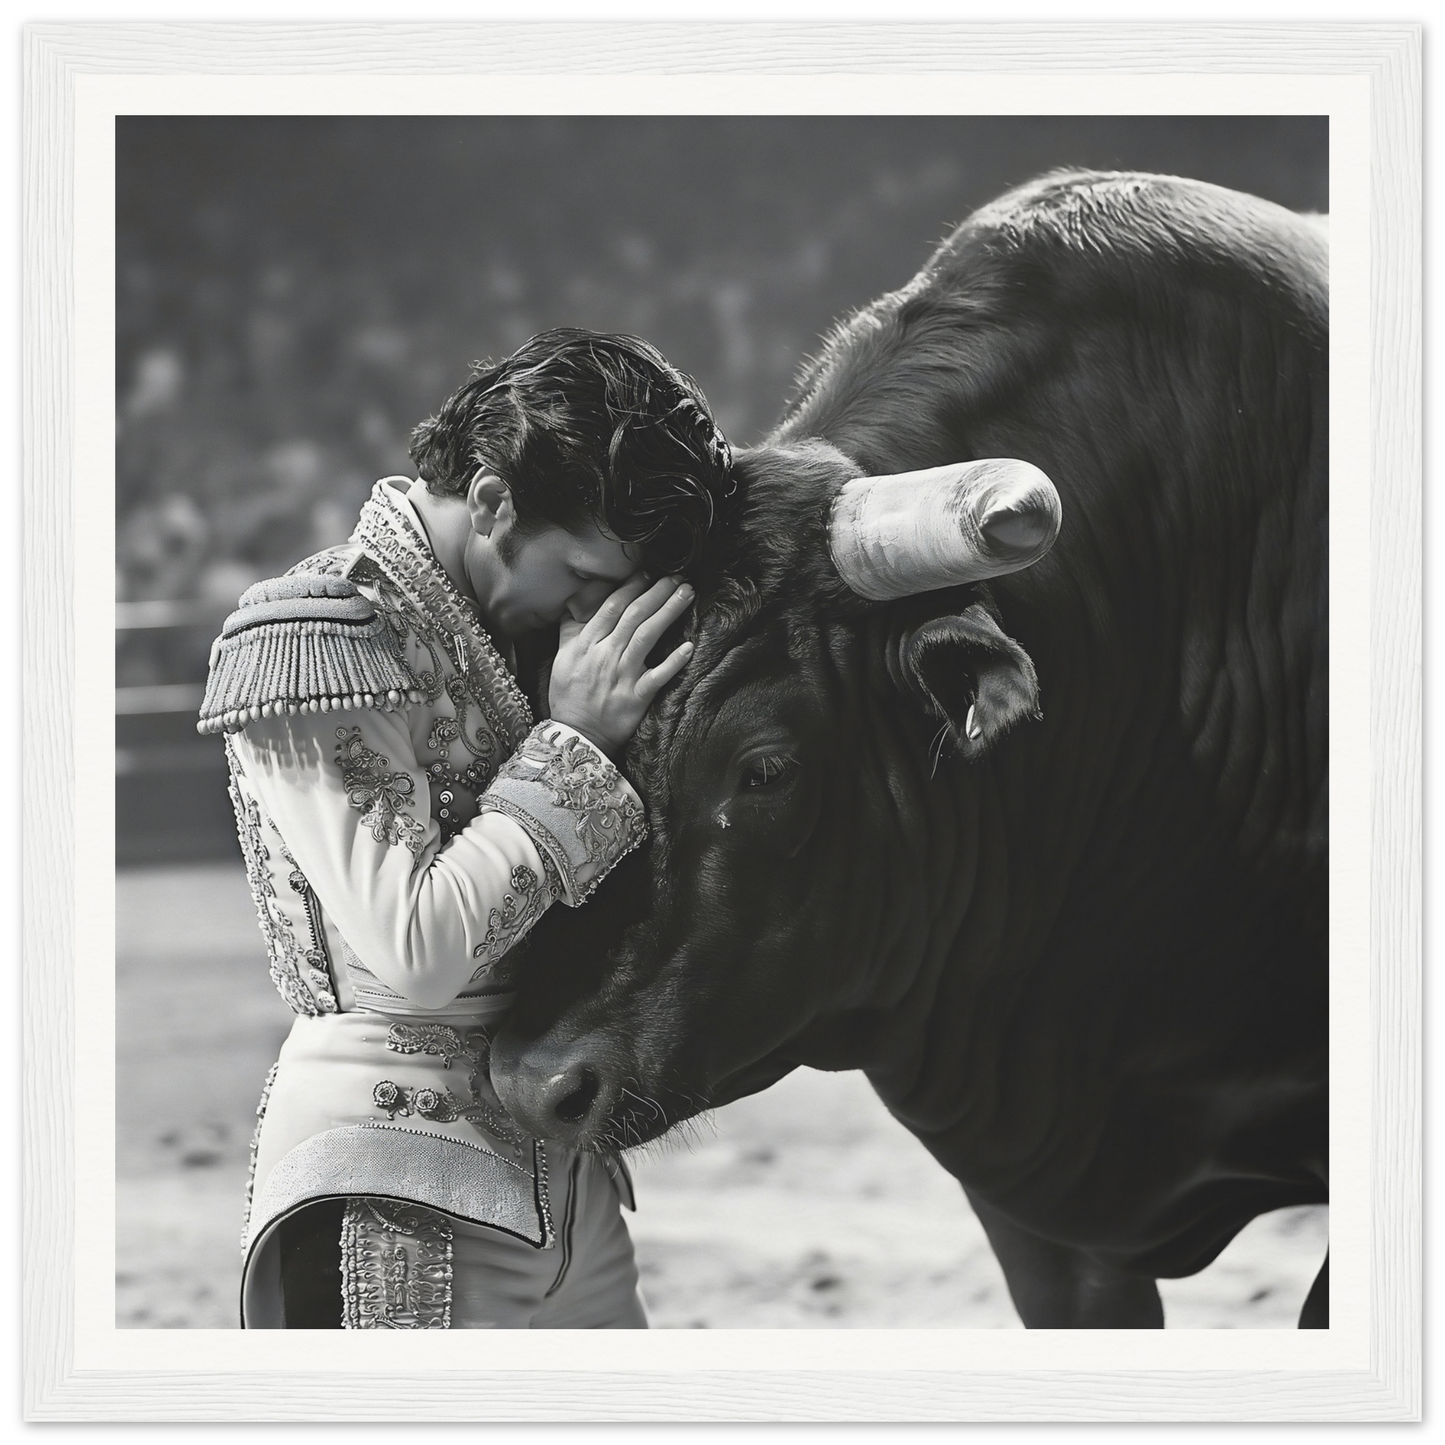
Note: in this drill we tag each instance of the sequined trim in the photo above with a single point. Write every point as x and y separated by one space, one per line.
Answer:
454 792
302 975
544 1192
396 1267
439 616
254 1153
520 1168
333 562
318 956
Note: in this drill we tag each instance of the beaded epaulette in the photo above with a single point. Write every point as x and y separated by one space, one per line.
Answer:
302 643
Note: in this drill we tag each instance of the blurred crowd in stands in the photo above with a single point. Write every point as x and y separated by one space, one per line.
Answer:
294 294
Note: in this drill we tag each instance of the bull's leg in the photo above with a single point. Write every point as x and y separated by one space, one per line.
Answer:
1055 1287
1316 1312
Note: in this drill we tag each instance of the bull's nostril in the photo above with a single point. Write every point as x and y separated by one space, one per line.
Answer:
579 1101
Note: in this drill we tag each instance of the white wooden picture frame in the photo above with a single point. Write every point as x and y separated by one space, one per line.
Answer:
1368 1366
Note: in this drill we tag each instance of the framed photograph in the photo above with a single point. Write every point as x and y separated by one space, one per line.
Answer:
986 270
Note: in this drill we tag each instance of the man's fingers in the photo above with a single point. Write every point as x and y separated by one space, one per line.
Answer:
647 605
605 619
656 678
648 632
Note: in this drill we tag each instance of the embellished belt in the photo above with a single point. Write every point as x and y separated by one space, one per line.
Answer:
475 1012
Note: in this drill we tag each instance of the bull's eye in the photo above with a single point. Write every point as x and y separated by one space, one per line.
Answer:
766 771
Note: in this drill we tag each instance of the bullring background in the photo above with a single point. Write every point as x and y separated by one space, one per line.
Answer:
293 294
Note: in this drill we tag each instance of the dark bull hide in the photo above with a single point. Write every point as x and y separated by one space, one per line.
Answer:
1077 940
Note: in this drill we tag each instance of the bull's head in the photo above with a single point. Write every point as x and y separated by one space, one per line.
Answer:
847 642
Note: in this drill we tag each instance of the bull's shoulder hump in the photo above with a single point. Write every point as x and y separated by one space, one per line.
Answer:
1124 220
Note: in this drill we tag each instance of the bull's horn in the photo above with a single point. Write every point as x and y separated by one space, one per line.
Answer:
920 531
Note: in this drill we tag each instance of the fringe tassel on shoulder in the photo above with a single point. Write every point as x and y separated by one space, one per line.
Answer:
301 644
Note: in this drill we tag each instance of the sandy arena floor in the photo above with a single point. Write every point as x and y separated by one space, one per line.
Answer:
805 1207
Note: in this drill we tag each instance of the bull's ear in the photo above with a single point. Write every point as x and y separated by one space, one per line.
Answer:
968 673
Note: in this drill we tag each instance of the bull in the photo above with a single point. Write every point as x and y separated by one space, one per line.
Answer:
1036 838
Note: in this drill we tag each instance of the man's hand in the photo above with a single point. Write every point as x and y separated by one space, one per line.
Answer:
601 684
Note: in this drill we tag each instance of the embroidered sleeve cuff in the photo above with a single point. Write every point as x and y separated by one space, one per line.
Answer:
577 808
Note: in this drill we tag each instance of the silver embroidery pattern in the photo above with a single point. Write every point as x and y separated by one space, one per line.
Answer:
609 821
544 1193
423 612
506 924
454 794
439 1040
333 562
439 642
396 1267
318 956
438 1105
451 673
300 975
481 1109
401 621
436 613
554 879
381 796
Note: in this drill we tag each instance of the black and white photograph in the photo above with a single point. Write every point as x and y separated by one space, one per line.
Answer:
764 679
767 695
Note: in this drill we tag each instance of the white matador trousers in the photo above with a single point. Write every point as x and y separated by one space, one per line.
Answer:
404 1266
379 1153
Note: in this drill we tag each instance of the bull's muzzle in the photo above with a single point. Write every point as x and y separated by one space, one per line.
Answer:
553 1091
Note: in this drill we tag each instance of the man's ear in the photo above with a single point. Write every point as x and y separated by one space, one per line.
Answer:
489 500
969 674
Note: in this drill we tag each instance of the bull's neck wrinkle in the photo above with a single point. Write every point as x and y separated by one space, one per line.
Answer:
964 970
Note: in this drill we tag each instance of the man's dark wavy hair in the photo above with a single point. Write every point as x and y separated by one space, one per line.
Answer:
586 426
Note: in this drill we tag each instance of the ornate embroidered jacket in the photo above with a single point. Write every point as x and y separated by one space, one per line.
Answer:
403 824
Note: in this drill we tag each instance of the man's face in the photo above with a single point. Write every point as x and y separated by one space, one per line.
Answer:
534 579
